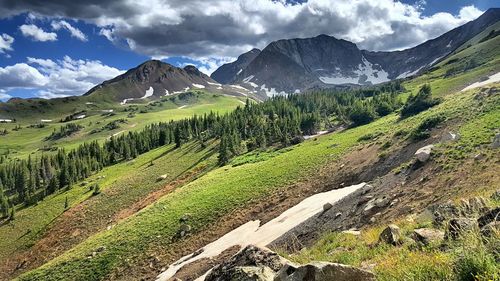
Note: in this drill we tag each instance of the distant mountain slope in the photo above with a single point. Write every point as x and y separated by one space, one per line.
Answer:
152 78
323 61
227 72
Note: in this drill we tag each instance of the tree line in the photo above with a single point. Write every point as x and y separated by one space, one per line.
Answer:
278 121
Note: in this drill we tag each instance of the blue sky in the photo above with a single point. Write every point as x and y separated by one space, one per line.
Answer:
64 49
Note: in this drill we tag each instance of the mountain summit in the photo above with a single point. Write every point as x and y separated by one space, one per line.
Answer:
294 65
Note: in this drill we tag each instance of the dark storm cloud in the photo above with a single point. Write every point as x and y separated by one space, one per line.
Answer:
223 28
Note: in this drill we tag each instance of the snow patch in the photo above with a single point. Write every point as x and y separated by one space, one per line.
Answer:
181 107
199 86
81 116
492 79
239 71
5 120
272 92
124 102
149 93
89 103
365 70
252 233
434 61
449 44
408 73
214 84
46 120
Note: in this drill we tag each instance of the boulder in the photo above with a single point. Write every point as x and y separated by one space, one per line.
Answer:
496 141
450 136
323 271
327 206
488 217
251 273
491 230
250 256
428 236
424 153
459 226
162 177
443 212
391 235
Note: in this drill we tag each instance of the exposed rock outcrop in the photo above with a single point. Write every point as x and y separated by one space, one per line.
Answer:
391 235
428 236
323 271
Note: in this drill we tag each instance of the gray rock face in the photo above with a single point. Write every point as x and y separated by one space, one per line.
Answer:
491 230
251 273
428 236
496 141
250 256
488 217
323 271
457 227
324 61
228 72
391 235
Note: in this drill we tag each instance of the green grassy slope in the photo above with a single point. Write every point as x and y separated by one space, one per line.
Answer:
19 144
122 185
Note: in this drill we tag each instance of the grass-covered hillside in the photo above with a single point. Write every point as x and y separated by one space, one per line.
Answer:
132 218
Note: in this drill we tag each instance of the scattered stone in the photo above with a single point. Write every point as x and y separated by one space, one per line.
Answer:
478 157
101 249
450 136
251 273
428 236
367 188
162 177
394 202
424 153
374 205
184 229
491 230
488 217
323 271
252 256
444 212
338 215
495 196
352 232
391 235
473 206
185 218
496 141
327 207
373 220
459 226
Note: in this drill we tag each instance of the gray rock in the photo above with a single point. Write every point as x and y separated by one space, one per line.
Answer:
327 207
424 153
496 141
495 196
488 217
473 206
323 271
491 230
428 236
251 273
162 177
391 235
460 226
450 136
252 256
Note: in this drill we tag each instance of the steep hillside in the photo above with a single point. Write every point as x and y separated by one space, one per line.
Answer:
266 182
226 73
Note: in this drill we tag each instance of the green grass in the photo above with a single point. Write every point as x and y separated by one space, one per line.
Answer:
19 144
121 185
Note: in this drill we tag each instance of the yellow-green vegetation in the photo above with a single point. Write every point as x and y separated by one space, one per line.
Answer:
121 185
237 185
28 140
469 258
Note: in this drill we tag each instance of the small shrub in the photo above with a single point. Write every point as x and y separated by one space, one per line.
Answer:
423 129
418 103
97 189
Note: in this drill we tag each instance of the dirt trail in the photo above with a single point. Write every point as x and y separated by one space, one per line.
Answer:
252 233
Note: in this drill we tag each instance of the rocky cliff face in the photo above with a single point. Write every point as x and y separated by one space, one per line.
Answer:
153 79
295 65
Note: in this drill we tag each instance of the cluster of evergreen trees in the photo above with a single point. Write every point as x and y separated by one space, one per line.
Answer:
278 121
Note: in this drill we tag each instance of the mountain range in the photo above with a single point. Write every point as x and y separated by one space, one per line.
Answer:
296 65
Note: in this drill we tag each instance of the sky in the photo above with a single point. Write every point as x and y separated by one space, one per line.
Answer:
63 48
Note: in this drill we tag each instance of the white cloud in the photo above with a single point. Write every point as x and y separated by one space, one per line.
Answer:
36 33
6 42
56 78
75 32
4 96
